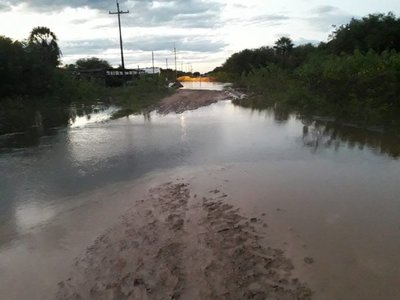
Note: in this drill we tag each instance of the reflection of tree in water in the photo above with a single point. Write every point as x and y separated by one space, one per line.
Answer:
82 110
29 123
280 113
147 116
319 134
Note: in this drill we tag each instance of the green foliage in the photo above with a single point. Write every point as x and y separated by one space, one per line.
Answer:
42 42
12 65
222 76
34 91
28 68
283 54
284 46
67 88
359 87
273 84
92 63
356 76
137 97
365 87
244 61
378 32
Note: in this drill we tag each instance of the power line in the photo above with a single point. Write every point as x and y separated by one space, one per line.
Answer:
119 13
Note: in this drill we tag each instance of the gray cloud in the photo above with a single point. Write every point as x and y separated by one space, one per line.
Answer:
240 6
324 16
5 5
133 57
271 19
179 13
266 19
80 21
47 5
159 43
151 43
87 48
325 9
145 13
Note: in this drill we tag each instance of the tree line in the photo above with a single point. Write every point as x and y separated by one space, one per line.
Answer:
31 69
36 91
28 67
355 75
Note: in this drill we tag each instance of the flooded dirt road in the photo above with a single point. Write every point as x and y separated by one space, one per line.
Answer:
316 201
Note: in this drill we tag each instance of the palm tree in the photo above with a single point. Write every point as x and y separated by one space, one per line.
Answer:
284 45
43 41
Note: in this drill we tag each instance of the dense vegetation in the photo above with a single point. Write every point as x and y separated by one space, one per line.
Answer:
36 91
354 76
92 63
28 67
30 71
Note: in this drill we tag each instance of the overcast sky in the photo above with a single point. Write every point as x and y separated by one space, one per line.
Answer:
205 32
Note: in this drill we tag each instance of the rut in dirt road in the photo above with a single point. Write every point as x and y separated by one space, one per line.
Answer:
176 246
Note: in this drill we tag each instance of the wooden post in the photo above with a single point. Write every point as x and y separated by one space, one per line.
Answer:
119 13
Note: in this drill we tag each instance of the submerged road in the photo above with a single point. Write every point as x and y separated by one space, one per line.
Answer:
222 193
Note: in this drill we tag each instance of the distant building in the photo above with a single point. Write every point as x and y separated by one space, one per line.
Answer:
114 77
150 70
118 72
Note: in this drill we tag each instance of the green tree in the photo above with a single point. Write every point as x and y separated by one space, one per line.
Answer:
44 43
284 46
11 66
244 61
42 58
92 63
378 32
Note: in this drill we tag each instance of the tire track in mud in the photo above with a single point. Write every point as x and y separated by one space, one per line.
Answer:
249 270
176 246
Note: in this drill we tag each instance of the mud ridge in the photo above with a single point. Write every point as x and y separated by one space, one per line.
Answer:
184 100
172 245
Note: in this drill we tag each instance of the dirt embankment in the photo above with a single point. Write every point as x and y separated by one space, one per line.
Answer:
178 245
184 100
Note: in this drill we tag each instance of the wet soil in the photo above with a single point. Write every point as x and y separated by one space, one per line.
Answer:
176 245
184 100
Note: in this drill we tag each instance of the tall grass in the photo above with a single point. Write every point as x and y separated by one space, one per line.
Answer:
140 95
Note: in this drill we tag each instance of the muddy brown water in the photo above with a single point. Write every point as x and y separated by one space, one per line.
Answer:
327 192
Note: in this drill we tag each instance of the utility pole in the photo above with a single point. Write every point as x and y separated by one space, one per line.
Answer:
166 69
176 72
119 13
152 60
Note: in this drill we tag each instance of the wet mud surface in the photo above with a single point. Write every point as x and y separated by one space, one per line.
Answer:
178 245
184 100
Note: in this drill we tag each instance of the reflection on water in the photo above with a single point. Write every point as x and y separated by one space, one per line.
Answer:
91 153
199 85
346 187
31 214
317 134
280 114
45 122
84 115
